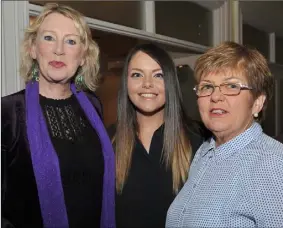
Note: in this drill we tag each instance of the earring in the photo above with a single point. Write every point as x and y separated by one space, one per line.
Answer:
255 115
34 72
79 81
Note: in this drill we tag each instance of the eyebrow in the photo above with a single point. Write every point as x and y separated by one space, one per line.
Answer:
155 70
206 81
233 77
71 34
226 79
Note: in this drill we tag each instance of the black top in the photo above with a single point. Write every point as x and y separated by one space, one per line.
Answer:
81 164
148 191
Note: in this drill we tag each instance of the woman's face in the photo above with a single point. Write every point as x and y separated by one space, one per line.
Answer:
145 84
227 116
57 49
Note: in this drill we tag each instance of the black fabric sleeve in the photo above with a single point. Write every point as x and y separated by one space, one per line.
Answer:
6 139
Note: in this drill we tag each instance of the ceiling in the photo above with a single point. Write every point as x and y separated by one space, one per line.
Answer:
211 5
264 15
116 46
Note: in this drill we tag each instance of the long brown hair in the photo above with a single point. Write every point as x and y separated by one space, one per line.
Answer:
177 151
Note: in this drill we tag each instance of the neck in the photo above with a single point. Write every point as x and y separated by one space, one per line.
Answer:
222 137
54 90
150 123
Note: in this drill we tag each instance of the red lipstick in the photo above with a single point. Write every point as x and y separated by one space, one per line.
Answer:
57 64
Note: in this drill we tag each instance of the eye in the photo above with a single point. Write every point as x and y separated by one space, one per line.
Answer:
48 38
72 42
232 86
158 75
205 87
135 75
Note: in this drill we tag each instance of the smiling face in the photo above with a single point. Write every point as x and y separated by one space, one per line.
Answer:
145 84
57 49
227 116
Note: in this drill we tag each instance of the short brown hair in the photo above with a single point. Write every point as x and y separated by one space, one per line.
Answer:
89 70
230 56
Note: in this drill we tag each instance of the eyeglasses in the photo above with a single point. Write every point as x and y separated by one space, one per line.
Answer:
230 89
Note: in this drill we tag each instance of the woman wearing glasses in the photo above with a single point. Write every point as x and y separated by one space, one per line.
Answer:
236 177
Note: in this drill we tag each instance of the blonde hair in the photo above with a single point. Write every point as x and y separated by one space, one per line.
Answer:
89 71
239 59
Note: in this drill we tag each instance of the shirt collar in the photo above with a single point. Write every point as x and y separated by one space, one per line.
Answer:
207 146
235 144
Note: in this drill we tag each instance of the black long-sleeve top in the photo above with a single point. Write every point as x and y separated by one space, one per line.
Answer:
80 158
148 191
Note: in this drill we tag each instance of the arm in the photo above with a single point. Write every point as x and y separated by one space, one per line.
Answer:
5 223
266 190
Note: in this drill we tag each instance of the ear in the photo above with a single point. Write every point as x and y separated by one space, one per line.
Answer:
82 62
83 57
33 51
258 104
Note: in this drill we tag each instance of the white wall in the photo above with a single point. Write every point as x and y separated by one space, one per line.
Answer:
14 21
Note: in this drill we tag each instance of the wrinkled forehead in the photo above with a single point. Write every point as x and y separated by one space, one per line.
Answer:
224 74
68 23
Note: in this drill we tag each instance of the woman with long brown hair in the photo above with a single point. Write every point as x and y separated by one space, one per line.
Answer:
154 141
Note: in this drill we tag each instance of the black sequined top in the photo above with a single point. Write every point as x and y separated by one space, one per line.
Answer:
80 157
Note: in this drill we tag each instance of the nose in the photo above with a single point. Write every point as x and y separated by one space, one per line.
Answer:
59 47
147 82
217 95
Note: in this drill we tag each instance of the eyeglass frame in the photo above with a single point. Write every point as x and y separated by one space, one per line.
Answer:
242 87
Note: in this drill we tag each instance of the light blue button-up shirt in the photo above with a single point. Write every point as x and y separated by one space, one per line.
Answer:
238 184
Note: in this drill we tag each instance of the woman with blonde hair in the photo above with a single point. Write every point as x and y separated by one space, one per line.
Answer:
57 160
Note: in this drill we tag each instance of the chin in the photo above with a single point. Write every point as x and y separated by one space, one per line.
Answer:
217 127
150 110
59 79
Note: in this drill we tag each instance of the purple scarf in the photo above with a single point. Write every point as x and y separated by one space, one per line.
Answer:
46 165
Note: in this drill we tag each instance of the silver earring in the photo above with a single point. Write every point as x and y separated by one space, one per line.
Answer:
255 115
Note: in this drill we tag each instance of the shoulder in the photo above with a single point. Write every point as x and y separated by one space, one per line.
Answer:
13 119
11 103
262 178
111 130
274 146
94 99
13 98
262 161
197 133
264 147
